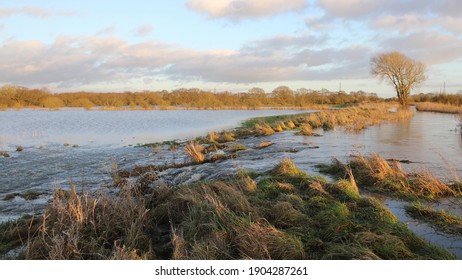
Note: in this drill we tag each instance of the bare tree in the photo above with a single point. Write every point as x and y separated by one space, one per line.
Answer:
402 72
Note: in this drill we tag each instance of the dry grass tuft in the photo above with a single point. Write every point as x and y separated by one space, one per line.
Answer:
263 129
245 183
306 129
265 144
277 128
375 172
195 150
290 124
81 226
286 168
226 136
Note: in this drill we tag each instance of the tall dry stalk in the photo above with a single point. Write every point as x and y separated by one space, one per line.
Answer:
195 150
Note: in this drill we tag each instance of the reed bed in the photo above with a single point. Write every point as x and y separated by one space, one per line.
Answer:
438 107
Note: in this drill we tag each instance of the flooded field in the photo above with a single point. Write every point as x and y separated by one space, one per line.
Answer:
427 141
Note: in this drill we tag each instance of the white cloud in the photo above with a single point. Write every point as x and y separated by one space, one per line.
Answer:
107 30
144 30
245 9
86 60
429 47
33 11
351 8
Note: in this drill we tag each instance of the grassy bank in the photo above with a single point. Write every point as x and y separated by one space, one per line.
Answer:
379 175
281 214
353 118
438 108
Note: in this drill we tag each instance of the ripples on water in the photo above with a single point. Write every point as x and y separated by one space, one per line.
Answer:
117 128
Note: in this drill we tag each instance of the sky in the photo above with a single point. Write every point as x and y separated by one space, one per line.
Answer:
234 45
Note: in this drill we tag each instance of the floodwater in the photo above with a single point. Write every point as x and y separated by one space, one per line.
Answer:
430 141
35 128
75 145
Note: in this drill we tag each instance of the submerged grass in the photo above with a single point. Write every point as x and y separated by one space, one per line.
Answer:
377 174
353 118
442 220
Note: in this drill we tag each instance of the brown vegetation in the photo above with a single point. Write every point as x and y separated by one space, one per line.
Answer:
353 118
379 175
449 99
195 151
281 97
438 107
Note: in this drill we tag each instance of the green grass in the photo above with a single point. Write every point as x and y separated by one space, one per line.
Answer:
271 120
4 154
280 214
376 174
441 220
28 195
237 147
16 233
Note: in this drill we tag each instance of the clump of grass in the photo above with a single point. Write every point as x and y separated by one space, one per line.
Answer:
290 124
4 154
313 120
377 174
237 147
306 129
286 168
277 127
442 220
265 144
244 182
212 137
335 168
19 148
10 196
81 226
225 136
263 129
195 150
30 195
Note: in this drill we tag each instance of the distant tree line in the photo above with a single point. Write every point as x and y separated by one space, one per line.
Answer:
18 97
